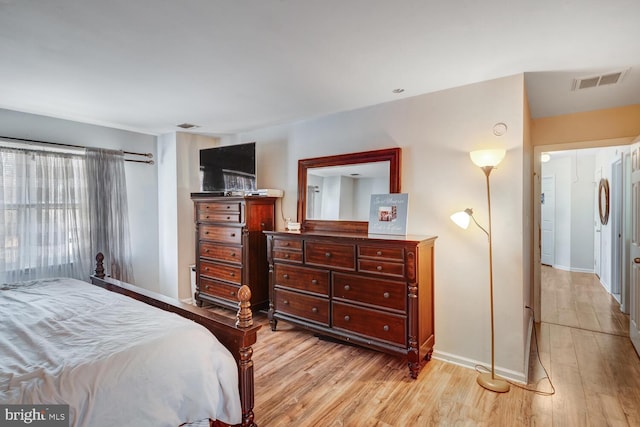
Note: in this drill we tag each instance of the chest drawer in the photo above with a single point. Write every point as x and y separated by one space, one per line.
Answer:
315 309
305 279
371 323
396 254
220 252
219 207
383 293
220 234
335 255
218 289
386 268
217 216
225 272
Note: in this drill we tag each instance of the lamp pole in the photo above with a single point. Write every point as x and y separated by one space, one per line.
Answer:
491 382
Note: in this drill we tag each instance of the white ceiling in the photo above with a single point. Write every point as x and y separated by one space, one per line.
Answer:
234 65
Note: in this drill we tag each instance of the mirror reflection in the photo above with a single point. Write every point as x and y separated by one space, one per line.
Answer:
343 192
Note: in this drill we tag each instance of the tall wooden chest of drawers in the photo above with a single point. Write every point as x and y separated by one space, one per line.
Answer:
231 248
373 291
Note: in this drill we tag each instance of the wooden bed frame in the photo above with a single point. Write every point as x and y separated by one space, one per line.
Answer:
236 335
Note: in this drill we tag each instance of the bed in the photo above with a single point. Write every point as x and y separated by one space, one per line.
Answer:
108 352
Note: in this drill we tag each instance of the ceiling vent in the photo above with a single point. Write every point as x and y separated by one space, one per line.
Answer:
611 78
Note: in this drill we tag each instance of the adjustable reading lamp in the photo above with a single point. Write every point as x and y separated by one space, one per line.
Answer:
487 160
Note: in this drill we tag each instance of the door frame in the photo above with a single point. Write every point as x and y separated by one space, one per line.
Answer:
535 290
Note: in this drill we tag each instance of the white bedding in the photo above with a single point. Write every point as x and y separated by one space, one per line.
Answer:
114 360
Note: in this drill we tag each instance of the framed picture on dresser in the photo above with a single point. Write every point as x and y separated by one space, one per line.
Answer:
388 214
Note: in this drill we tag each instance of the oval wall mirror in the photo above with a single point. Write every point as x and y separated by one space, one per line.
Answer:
603 201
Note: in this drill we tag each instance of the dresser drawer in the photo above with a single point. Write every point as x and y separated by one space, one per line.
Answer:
225 272
305 279
386 268
315 309
219 290
333 255
221 252
370 323
290 256
383 293
396 254
220 234
216 216
220 207
289 244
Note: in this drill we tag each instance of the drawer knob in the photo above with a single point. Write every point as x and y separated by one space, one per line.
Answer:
233 234
286 302
347 318
379 268
207 216
232 274
228 217
386 295
347 287
206 269
385 328
314 309
206 232
285 244
207 287
314 282
379 253
286 276
206 251
232 293
327 254
233 254
286 256
228 207
262 225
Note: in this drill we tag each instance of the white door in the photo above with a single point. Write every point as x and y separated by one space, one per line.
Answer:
616 229
634 312
548 212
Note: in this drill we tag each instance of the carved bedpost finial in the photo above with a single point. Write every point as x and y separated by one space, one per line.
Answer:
99 266
244 318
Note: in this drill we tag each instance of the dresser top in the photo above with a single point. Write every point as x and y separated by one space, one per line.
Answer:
354 236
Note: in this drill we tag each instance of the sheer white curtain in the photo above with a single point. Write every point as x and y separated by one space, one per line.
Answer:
44 215
108 211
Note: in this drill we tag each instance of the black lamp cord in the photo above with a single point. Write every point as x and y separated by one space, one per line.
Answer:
546 373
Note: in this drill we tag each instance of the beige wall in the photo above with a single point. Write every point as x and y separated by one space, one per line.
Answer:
613 123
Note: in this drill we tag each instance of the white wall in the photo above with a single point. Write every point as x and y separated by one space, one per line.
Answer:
582 213
142 179
436 132
178 177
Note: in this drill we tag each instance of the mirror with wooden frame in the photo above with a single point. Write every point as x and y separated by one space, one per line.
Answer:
603 201
323 182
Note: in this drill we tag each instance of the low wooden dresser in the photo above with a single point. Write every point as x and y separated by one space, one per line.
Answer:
372 291
231 248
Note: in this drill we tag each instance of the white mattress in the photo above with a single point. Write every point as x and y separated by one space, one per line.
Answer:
114 360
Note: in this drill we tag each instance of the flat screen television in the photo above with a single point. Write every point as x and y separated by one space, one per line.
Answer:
229 169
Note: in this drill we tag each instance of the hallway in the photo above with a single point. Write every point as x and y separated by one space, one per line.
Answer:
579 300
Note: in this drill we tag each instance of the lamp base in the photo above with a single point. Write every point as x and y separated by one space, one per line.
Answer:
493 383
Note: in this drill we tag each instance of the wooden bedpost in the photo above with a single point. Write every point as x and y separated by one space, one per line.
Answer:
99 265
244 318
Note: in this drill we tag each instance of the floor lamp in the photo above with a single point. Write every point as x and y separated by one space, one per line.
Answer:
487 160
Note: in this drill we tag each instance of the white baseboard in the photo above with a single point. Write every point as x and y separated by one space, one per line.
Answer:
514 376
574 270
188 301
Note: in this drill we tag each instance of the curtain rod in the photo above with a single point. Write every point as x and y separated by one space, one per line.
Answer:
150 155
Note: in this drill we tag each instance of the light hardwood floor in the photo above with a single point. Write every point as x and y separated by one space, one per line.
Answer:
303 381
